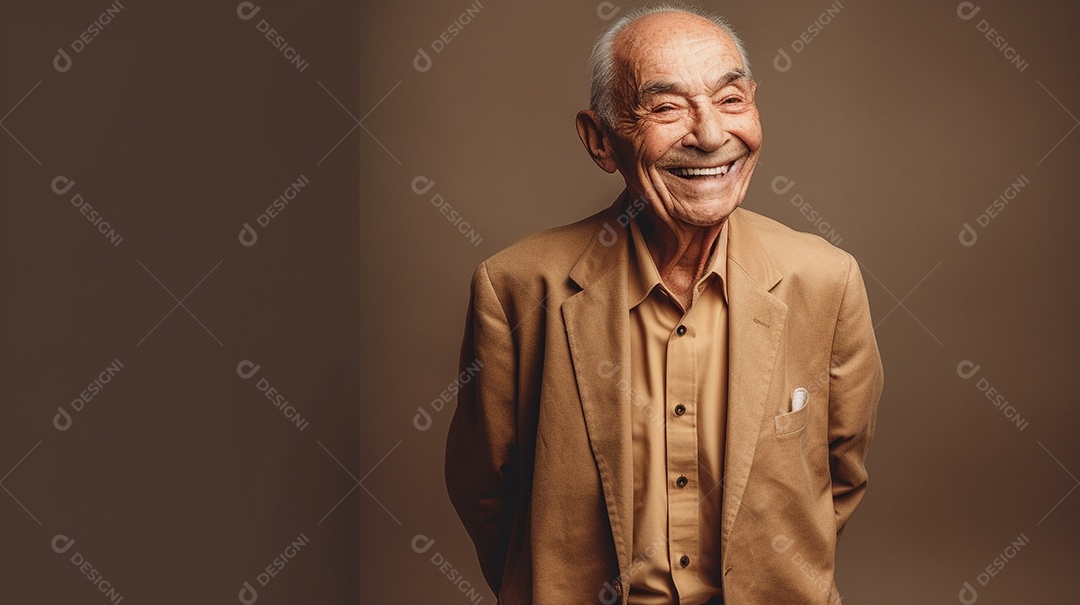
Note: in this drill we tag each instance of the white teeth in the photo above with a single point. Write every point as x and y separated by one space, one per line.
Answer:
718 171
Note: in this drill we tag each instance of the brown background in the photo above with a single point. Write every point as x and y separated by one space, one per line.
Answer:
899 123
179 481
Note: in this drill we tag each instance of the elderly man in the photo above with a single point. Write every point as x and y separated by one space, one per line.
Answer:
676 395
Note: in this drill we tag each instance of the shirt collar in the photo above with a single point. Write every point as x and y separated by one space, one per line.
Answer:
644 275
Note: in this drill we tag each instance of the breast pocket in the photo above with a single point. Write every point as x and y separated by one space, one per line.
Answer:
792 423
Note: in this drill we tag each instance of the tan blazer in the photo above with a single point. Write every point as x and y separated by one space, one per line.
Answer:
538 459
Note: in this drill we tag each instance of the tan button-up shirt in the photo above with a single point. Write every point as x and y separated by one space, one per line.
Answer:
679 395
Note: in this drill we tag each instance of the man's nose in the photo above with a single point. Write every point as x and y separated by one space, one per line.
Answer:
707 132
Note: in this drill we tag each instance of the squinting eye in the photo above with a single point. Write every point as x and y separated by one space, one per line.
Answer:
731 100
663 109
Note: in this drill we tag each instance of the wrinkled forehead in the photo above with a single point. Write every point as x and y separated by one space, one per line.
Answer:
682 48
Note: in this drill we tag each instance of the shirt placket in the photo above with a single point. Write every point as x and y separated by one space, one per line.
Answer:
681 454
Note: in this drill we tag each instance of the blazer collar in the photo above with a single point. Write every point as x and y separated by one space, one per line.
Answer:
609 248
747 254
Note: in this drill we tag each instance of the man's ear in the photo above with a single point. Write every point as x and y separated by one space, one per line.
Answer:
591 131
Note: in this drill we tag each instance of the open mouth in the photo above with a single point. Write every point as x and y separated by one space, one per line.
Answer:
702 173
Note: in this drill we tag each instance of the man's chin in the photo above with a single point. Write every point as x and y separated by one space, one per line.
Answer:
702 212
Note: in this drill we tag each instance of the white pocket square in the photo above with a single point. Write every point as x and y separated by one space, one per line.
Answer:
799 398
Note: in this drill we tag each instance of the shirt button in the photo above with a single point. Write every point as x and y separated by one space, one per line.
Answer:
681 482
680 410
684 560
680 330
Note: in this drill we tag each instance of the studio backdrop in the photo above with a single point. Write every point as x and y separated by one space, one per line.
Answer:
236 241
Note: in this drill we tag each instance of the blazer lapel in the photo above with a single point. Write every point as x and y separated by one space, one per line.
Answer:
598 330
756 322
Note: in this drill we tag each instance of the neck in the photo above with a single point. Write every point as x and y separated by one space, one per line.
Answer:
680 251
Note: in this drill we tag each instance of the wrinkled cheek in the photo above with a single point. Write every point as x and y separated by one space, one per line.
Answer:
653 183
748 169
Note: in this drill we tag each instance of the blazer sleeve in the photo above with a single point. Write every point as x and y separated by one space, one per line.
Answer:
481 453
855 382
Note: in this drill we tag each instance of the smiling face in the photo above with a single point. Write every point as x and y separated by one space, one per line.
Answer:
686 135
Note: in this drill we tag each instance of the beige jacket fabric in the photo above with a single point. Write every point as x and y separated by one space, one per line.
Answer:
538 459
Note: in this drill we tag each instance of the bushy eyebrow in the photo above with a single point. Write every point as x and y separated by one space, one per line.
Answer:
660 87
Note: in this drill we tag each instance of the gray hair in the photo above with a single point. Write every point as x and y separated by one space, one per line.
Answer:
602 58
